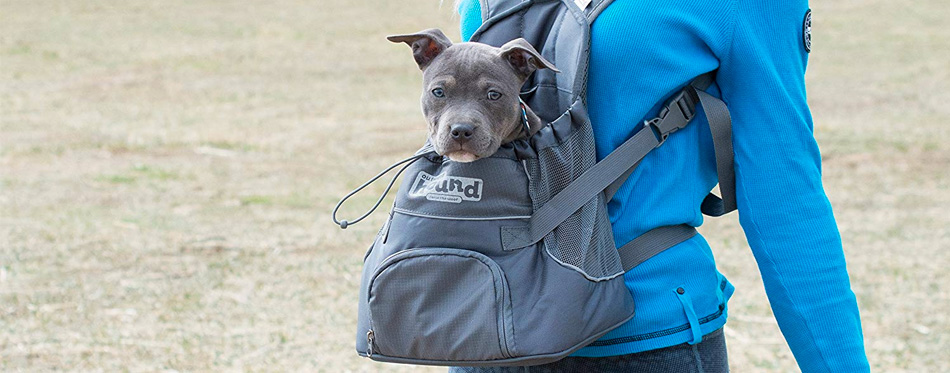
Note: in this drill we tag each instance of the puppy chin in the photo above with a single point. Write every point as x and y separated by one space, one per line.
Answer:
462 156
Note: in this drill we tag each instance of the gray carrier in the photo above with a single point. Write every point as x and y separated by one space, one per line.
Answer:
510 260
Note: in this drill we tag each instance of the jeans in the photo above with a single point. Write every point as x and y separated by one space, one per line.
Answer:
708 356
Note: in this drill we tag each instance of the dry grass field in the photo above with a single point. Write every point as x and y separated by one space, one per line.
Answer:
167 171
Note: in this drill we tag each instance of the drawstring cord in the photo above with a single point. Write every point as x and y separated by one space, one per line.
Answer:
408 161
343 223
524 118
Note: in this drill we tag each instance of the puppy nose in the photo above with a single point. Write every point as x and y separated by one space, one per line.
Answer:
462 132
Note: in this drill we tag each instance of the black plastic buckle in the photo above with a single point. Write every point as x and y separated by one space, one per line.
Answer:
686 102
682 106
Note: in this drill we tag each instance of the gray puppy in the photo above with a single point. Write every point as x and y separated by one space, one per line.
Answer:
470 92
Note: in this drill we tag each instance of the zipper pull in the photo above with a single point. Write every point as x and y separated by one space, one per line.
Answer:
370 338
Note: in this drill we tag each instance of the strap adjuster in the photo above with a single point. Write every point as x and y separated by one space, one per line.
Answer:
652 126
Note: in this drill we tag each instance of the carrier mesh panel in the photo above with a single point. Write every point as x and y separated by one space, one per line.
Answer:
580 241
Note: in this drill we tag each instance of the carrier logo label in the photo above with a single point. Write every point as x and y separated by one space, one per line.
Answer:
446 188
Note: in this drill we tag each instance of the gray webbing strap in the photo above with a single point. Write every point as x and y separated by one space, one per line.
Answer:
704 81
720 125
653 242
615 186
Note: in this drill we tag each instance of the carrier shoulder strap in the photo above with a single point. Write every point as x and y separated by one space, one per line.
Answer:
674 116
720 126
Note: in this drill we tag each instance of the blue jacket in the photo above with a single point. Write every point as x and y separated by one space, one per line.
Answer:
641 53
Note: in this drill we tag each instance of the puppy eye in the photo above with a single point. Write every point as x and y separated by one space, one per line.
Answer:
493 95
438 92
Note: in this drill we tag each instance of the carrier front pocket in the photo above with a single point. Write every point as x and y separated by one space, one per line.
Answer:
440 304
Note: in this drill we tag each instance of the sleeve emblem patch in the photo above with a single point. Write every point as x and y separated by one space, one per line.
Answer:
806 31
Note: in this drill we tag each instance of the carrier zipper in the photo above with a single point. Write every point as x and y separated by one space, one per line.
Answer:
504 321
370 339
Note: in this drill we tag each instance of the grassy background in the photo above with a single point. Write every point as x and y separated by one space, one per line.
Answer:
167 169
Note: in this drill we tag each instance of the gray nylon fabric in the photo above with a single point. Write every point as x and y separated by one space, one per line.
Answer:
475 313
510 260
547 299
438 187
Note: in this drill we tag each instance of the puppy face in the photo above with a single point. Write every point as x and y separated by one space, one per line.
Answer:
470 92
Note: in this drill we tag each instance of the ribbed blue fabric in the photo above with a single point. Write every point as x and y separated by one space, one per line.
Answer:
641 53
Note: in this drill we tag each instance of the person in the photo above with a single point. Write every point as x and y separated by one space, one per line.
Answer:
641 53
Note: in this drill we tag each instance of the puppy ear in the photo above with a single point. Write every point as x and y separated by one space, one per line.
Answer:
426 45
524 58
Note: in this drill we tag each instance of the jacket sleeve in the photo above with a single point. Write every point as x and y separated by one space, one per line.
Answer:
783 209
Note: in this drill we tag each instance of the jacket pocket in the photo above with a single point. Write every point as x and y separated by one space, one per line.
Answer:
440 304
